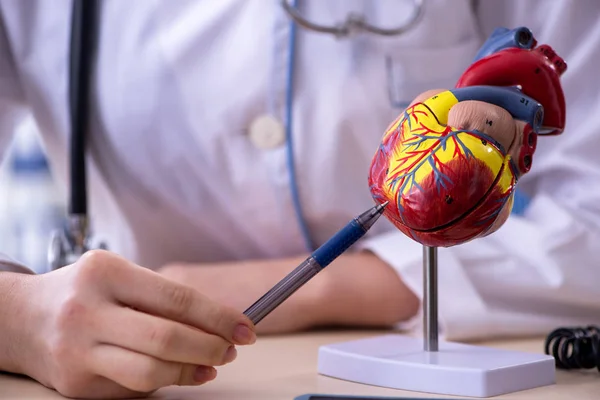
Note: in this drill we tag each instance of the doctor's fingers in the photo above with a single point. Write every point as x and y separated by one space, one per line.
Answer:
148 291
161 338
142 373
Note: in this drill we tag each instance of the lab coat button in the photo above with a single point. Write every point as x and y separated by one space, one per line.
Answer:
266 132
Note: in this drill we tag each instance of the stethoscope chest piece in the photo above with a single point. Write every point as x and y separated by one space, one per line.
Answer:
67 245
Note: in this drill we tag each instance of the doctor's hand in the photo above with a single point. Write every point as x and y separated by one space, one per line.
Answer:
104 328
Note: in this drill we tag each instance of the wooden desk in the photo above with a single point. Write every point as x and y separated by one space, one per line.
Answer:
281 368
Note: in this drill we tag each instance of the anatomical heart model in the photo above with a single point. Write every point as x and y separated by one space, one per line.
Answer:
446 185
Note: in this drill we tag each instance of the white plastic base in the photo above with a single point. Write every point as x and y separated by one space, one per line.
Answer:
399 362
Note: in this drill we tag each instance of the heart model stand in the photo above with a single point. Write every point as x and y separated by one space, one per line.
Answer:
429 365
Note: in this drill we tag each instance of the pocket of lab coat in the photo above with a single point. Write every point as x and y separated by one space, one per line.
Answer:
411 71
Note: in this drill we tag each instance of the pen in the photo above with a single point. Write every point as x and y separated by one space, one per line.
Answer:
315 263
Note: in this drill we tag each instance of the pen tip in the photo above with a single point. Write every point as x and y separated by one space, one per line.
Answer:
380 207
368 218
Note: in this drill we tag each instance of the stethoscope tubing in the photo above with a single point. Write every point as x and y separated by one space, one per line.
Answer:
81 64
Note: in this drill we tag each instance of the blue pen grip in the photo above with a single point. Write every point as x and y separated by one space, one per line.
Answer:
338 243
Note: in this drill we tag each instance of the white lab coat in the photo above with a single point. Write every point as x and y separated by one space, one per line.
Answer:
175 176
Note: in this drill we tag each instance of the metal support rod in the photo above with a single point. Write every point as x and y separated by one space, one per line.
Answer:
430 299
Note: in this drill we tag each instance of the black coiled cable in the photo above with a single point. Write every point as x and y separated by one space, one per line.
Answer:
575 348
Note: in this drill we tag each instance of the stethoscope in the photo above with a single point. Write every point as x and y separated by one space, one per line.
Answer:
73 240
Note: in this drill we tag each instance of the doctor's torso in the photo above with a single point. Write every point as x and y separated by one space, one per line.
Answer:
176 170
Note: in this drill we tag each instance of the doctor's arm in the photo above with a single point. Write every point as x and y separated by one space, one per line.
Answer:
356 289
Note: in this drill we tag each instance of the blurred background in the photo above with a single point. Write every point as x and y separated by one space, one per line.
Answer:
30 203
